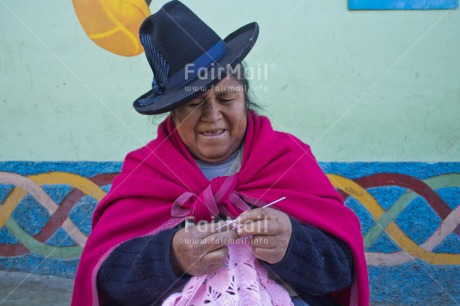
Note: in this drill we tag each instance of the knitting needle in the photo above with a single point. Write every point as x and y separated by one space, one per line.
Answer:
269 204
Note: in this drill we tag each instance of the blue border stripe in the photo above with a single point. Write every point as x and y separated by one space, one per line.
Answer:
402 5
352 170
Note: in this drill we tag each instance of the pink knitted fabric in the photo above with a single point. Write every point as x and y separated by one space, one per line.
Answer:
243 280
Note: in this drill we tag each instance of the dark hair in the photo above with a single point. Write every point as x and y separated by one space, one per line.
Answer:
239 74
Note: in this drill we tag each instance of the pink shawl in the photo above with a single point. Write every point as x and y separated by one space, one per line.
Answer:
160 184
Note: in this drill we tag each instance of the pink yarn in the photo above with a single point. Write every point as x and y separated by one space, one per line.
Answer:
243 280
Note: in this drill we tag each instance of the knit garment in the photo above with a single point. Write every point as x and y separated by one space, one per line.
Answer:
242 280
161 184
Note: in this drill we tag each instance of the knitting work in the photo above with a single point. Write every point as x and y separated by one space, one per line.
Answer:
243 280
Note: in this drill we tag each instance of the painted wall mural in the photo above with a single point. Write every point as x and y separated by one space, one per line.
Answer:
113 24
409 214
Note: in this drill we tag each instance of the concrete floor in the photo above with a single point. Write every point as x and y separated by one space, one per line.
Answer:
24 289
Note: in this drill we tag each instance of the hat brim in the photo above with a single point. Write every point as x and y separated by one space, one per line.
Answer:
239 44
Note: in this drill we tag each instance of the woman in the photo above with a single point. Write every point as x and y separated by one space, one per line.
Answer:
215 157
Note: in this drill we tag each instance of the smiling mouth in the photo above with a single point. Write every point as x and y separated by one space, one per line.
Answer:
213 132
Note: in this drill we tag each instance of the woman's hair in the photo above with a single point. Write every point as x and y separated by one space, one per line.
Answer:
239 74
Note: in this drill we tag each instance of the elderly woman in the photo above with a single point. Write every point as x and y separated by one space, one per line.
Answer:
155 236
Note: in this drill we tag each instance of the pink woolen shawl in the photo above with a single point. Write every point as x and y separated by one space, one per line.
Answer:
161 183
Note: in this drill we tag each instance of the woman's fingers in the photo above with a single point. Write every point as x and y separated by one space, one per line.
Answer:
257 214
263 221
202 230
265 242
216 257
215 241
271 232
260 227
199 249
208 263
271 256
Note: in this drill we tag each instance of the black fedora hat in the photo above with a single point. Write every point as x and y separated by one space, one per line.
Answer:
186 56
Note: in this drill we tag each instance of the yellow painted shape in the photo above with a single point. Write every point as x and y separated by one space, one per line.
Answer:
398 236
113 24
105 34
52 178
10 204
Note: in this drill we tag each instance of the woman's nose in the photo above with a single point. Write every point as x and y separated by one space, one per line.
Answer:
211 111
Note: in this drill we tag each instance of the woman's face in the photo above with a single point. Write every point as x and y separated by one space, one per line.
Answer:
213 125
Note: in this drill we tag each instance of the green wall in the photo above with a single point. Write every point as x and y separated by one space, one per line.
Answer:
356 85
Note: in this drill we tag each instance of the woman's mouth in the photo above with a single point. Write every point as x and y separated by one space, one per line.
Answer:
212 133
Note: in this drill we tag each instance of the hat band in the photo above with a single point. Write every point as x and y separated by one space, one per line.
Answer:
203 62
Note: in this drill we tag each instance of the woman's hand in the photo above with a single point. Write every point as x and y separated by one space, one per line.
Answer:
200 249
271 231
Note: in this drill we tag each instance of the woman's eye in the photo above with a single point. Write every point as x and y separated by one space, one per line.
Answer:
226 99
